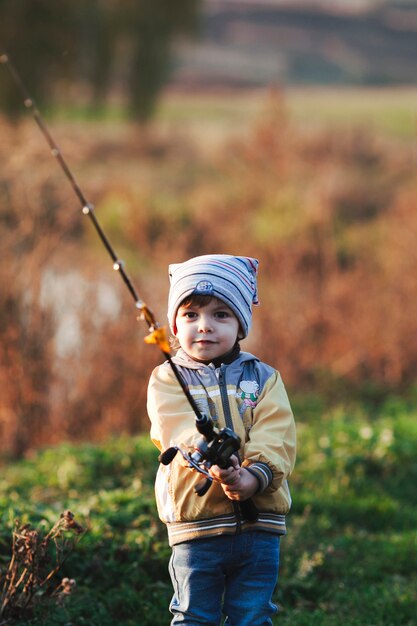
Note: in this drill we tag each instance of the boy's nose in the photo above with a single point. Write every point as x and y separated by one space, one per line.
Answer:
205 325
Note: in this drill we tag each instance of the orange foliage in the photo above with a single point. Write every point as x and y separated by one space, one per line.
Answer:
329 214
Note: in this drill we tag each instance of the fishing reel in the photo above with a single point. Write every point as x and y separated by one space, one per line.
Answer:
215 447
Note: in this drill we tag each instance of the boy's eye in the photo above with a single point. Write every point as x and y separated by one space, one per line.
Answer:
222 314
189 314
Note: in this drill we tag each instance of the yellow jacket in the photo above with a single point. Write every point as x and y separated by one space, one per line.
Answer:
247 396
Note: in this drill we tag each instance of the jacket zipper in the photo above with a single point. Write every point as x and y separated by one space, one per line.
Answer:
225 399
229 423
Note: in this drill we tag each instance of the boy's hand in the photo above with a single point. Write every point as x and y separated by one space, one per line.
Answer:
228 476
237 483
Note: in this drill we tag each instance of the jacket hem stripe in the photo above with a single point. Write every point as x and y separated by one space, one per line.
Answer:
179 532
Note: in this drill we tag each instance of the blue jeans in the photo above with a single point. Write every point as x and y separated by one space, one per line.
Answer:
234 575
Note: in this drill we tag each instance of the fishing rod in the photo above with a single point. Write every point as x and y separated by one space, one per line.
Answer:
157 333
217 447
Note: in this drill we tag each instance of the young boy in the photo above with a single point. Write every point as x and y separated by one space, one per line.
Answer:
221 563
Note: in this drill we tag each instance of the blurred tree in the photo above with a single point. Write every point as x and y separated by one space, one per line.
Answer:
37 36
153 25
102 44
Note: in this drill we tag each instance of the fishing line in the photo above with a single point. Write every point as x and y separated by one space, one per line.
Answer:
157 333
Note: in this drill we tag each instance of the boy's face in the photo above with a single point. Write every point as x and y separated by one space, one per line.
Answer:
206 332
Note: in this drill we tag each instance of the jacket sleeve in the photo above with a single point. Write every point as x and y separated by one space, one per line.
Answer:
172 419
271 446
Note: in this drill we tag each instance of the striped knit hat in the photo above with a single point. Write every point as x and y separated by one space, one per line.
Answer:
232 279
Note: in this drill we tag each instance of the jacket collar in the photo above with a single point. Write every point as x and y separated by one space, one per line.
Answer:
235 355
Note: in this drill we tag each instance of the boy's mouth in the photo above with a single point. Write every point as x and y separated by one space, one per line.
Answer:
204 341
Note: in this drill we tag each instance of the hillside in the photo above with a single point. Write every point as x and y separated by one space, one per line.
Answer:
250 44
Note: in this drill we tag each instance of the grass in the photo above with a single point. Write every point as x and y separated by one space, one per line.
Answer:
120 562
349 557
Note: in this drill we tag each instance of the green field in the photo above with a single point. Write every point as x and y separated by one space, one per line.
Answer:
388 110
349 558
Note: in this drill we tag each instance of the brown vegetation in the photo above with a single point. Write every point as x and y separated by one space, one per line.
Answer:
36 559
330 215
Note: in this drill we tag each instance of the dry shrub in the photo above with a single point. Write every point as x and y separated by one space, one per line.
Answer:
71 362
328 213
30 226
31 574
